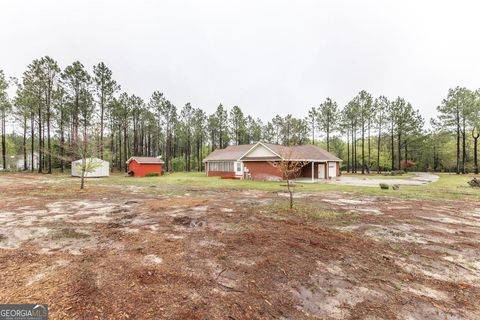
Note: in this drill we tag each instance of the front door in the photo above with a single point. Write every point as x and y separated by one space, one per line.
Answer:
321 171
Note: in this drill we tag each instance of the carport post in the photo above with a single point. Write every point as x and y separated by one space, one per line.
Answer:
313 171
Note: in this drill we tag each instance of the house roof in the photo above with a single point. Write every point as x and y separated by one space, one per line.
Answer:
231 153
146 160
300 153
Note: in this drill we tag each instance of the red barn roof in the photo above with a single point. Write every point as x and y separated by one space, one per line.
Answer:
146 160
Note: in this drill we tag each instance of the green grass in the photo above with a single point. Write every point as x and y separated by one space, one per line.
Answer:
449 186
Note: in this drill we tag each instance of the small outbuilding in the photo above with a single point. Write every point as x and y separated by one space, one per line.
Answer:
95 168
143 166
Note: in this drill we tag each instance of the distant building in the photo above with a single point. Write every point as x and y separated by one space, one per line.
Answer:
17 162
260 161
96 168
142 166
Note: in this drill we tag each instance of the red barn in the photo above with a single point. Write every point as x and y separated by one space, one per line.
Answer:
142 166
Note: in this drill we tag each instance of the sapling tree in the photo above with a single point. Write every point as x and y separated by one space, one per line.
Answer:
86 147
290 168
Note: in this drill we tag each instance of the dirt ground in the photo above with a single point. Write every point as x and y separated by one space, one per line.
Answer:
419 178
119 252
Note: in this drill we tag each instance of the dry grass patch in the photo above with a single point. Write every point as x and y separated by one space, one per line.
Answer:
156 205
311 212
67 233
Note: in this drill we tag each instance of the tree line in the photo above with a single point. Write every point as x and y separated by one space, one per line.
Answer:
62 114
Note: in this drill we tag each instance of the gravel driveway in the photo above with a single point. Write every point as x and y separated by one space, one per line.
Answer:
419 179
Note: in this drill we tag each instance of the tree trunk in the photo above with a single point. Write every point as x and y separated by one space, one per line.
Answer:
82 179
392 147
62 143
328 136
464 147
49 144
378 148
290 192
102 115
399 142
4 141
475 150
458 149
348 152
125 147
24 142
369 163
40 154
313 132
363 148
32 132
355 151
120 162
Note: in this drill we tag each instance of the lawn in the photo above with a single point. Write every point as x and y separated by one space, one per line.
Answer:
449 186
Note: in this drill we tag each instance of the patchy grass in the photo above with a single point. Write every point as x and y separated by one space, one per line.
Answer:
157 205
375 176
2 238
67 233
310 212
449 186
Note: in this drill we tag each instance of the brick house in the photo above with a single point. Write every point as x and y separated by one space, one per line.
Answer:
260 161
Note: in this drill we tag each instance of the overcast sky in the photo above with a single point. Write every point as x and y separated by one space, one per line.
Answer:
268 57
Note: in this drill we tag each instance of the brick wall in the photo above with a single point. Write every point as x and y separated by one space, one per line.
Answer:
225 174
262 170
307 171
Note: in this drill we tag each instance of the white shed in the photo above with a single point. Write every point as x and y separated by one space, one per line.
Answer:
95 168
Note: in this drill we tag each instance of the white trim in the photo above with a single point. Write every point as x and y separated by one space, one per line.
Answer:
238 173
255 146
315 160
323 175
313 171
259 160
144 162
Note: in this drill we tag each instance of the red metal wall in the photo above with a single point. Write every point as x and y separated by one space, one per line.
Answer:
142 169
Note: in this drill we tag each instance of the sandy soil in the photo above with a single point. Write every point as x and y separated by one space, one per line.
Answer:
120 253
420 178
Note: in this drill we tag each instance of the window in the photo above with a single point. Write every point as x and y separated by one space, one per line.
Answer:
239 166
221 166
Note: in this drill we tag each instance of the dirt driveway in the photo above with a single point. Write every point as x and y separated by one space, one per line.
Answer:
420 178
119 252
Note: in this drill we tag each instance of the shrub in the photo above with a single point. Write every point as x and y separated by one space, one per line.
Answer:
384 186
152 174
178 164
